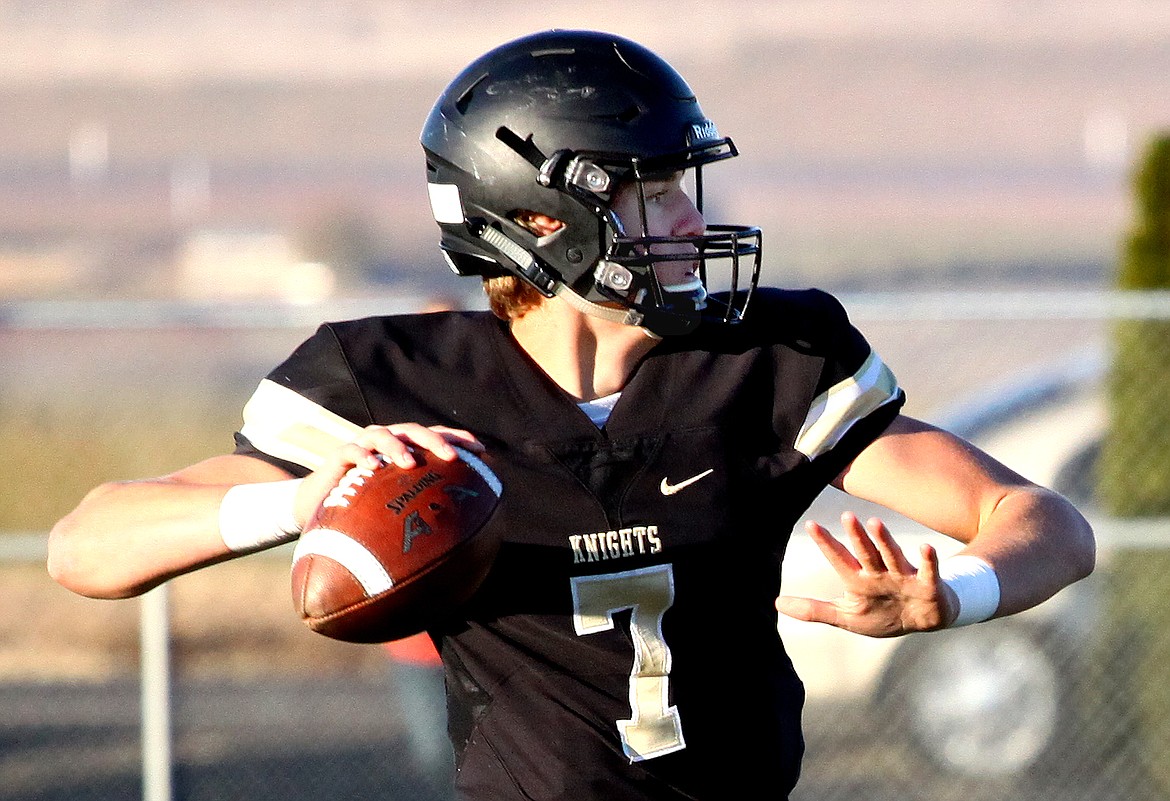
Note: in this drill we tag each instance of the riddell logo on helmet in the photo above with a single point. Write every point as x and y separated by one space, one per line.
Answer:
704 131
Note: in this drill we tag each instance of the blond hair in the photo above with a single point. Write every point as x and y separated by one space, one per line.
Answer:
510 297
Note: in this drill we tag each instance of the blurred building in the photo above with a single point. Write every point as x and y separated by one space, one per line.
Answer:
249 265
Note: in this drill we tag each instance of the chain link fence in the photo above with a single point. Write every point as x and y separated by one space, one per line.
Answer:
1064 702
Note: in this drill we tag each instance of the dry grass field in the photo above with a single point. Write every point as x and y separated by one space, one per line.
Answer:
231 622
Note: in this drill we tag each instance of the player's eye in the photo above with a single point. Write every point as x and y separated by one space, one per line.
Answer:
660 188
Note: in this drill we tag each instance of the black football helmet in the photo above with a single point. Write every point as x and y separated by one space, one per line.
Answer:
553 123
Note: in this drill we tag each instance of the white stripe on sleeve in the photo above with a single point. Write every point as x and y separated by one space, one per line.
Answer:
289 426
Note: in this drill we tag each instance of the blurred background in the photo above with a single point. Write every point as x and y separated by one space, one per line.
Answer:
144 145
187 188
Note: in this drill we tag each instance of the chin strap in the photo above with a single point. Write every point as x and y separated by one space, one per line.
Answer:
610 313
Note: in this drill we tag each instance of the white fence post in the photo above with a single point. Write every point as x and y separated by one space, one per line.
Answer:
154 638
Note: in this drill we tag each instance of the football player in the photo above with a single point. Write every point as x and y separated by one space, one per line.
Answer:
660 424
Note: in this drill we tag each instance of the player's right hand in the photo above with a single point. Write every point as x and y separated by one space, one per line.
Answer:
377 445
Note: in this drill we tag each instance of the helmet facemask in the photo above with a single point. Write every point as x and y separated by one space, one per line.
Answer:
639 269
636 270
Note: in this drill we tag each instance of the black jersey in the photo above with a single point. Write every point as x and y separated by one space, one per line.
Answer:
624 645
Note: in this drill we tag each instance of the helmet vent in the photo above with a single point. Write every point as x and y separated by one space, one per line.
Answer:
464 100
554 51
630 114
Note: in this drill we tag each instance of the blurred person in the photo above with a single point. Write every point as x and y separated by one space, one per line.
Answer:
660 424
441 302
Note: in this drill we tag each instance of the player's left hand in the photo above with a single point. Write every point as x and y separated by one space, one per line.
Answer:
884 595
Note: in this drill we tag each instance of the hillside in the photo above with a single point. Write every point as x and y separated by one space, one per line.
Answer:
897 139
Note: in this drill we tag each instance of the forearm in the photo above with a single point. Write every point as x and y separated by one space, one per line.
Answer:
1033 538
126 537
1037 542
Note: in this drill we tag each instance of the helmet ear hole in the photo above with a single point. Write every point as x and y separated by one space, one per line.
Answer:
536 223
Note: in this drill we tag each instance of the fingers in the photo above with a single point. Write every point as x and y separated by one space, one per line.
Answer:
376 446
396 444
839 557
891 553
460 438
405 437
883 593
928 571
809 610
873 549
932 583
868 555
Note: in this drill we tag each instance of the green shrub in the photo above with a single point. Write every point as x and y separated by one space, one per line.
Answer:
1134 473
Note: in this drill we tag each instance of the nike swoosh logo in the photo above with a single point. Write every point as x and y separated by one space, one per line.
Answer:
670 489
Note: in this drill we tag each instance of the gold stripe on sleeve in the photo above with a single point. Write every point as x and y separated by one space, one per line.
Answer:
834 412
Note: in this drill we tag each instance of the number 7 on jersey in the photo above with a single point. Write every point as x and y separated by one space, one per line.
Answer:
654 727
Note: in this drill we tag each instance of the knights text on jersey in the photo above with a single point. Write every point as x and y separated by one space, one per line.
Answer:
624 644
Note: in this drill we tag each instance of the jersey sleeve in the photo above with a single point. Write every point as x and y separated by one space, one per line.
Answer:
855 399
306 407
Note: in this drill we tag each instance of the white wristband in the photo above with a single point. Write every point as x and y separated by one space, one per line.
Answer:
255 516
975 585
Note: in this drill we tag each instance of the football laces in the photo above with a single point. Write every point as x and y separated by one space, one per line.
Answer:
347 487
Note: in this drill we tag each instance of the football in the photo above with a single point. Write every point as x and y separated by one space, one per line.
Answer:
392 551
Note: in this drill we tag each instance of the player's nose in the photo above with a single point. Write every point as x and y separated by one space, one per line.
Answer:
690 221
